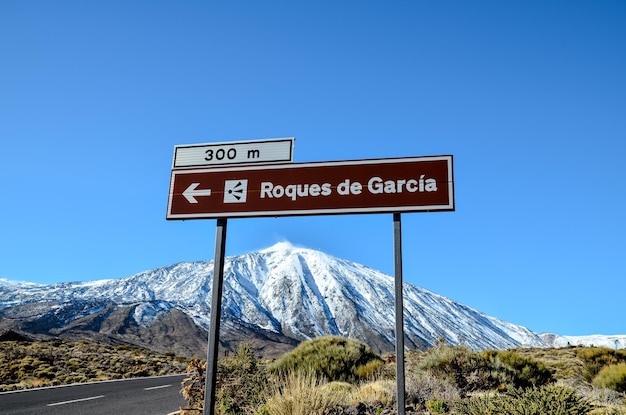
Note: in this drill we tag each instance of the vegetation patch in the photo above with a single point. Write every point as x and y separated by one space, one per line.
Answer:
333 358
28 364
553 400
612 377
338 376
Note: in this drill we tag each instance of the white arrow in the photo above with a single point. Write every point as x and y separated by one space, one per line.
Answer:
191 192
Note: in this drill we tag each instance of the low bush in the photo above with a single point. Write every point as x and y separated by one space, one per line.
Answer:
472 371
331 357
527 371
612 377
552 400
371 370
380 393
465 369
437 406
595 358
421 386
241 383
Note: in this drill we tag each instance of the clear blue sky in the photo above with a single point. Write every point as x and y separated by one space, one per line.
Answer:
529 97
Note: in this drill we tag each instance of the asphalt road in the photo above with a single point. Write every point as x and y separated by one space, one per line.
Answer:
143 396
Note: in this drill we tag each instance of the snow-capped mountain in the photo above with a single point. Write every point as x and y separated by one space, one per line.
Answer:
283 294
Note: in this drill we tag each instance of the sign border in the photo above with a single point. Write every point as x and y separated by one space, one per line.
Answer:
326 211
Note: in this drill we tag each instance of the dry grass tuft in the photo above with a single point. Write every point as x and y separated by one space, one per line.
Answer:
301 393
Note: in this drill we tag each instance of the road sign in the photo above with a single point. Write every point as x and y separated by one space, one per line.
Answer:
272 150
340 187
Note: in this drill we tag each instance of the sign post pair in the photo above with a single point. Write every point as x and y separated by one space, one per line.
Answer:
258 179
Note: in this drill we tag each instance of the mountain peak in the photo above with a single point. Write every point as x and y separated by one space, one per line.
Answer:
279 246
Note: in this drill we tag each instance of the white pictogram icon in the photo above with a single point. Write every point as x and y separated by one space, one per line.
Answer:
235 191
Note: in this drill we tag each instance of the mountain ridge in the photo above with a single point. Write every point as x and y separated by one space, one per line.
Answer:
282 293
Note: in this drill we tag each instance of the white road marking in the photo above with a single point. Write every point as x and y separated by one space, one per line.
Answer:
76 400
157 387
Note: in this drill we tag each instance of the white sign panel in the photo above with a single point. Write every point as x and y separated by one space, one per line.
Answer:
272 150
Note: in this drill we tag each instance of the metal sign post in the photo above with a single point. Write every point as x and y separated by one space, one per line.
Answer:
216 314
397 250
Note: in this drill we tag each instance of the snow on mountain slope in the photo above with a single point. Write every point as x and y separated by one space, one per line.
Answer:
599 340
297 292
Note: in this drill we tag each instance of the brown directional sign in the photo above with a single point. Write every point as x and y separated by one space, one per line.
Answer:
339 187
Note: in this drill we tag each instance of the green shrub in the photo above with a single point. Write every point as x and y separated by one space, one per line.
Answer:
331 357
612 377
370 370
473 371
437 406
595 358
527 371
549 400
465 369
241 383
